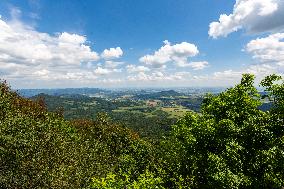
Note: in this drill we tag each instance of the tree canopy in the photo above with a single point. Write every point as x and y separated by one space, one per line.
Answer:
231 143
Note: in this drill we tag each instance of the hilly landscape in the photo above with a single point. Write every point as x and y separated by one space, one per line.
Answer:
145 111
141 94
229 142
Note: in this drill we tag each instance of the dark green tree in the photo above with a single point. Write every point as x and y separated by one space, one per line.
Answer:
39 149
231 144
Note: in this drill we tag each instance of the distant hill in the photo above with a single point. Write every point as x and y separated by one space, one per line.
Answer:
158 95
59 92
266 106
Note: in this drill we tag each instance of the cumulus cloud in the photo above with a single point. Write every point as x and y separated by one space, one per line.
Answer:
30 57
101 71
105 71
194 65
156 76
259 70
133 69
71 38
227 74
42 73
255 16
231 77
112 64
262 70
268 49
178 53
111 81
112 53
21 44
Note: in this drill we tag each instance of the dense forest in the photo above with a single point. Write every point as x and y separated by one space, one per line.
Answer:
149 122
230 143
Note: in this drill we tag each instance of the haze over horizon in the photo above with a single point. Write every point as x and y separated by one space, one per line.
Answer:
119 44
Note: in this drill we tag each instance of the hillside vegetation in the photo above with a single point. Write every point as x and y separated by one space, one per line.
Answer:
39 149
149 122
229 144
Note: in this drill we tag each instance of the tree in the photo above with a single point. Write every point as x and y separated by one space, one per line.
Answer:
39 149
232 144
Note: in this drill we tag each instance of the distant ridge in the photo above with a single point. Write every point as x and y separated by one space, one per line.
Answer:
59 92
158 95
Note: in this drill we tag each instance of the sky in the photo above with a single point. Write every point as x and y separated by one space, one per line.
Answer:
141 43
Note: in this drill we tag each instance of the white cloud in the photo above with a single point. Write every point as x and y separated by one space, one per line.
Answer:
102 71
254 16
112 64
112 53
194 65
105 71
268 49
177 53
227 74
262 70
111 81
72 38
32 58
133 69
21 44
156 76
42 73
259 70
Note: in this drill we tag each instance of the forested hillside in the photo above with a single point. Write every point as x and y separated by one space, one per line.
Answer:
231 143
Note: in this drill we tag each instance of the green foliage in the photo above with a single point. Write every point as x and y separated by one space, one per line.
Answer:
35 145
148 122
232 144
151 127
275 90
39 149
146 180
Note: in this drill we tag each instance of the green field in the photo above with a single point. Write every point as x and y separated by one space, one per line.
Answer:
176 112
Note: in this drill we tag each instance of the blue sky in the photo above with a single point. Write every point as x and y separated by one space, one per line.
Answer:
126 43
